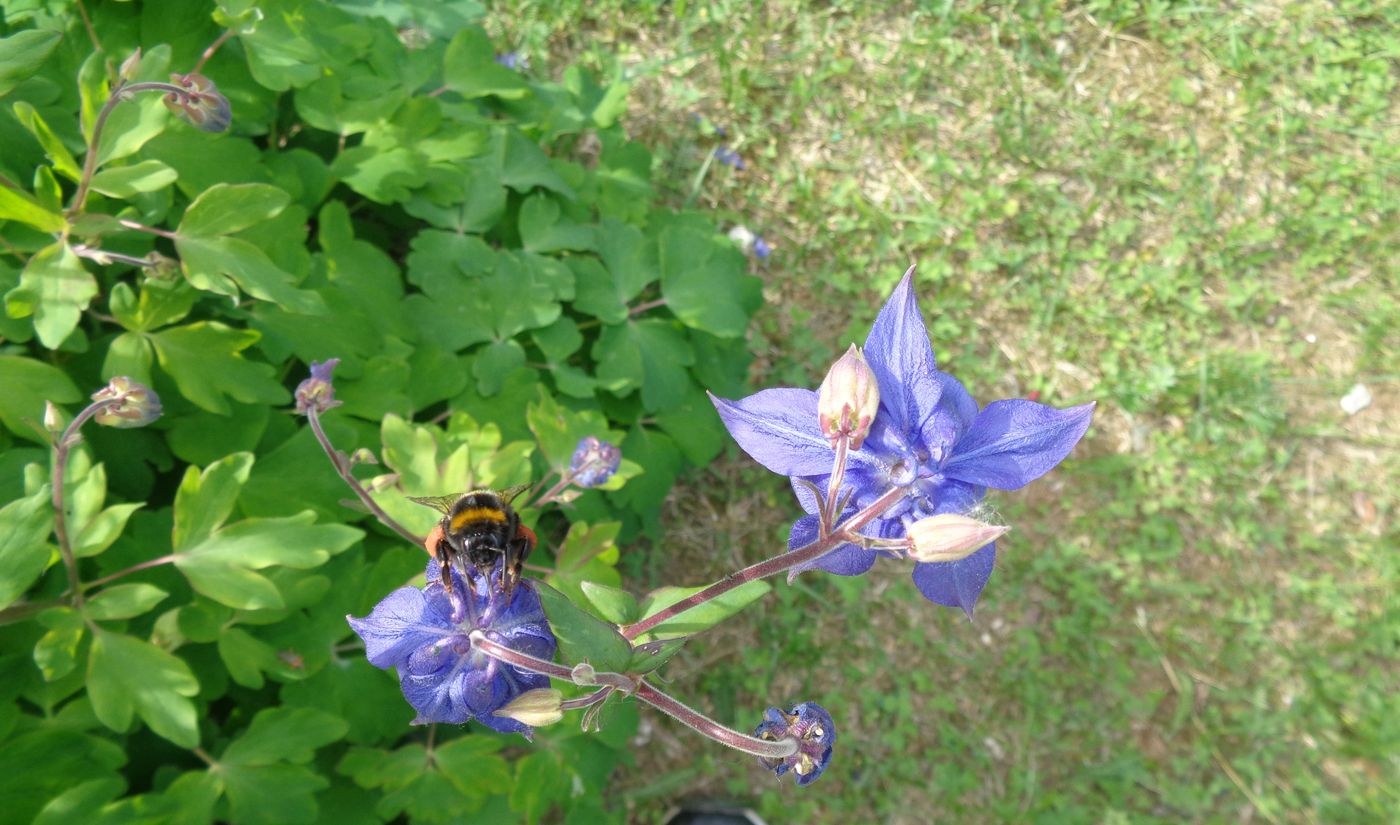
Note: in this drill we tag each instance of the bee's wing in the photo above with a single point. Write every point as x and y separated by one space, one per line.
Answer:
509 494
443 504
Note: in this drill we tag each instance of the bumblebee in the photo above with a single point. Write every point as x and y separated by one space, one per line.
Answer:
477 528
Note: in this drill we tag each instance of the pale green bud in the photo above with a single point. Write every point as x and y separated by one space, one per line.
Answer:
535 708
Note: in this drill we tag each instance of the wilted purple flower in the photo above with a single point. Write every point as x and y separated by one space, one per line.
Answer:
729 157
132 404
418 633
761 248
317 392
929 438
593 462
200 104
811 725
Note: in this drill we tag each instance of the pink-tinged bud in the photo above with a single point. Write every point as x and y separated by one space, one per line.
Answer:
848 399
200 104
317 392
950 537
133 404
130 66
535 708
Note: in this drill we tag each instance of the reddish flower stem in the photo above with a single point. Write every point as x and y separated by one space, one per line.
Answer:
700 723
209 51
58 479
844 533
537 665
342 469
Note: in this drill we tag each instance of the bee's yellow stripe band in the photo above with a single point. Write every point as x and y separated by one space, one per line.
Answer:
477 514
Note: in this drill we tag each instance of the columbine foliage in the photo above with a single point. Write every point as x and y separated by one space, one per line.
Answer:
329 184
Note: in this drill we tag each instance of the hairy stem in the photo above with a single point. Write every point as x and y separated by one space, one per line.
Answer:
706 726
534 664
209 52
845 532
342 469
59 477
838 473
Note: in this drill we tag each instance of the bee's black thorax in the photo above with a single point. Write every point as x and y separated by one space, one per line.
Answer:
479 529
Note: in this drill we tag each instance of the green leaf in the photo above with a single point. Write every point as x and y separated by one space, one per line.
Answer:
207 260
126 674
559 429
56 653
128 181
471 765
204 360
494 362
22 54
650 354
587 554
702 617
124 601
129 354
81 803
469 68
25 525
161 303
55 289
523 164
54 149
540 781
28 384
284 735
597 293
226 208
543 229
611 603
704 283
221 565
246 657
206 499
16 205
650 656
277 794
583 637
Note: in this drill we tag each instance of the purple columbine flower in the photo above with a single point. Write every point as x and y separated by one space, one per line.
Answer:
426 639
929 437
729 157
761 248
317 391
200 104
811 725
593 462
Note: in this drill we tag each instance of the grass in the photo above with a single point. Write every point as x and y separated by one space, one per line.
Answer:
1186 213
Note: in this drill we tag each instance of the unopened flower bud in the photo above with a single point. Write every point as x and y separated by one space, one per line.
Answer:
950 537
364 455
811 726
593 462
200 104
317 392
129 67
133 404
848 399
53 418
535 707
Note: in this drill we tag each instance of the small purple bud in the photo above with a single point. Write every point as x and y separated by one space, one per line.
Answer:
811 726
513 61
317 392
132 404
761 248
200 104
594 462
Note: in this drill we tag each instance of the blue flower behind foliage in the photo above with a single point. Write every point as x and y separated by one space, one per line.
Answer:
416 632
729 157
761 248
929 437
594 462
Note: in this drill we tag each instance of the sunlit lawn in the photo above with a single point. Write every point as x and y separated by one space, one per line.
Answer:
1188 215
